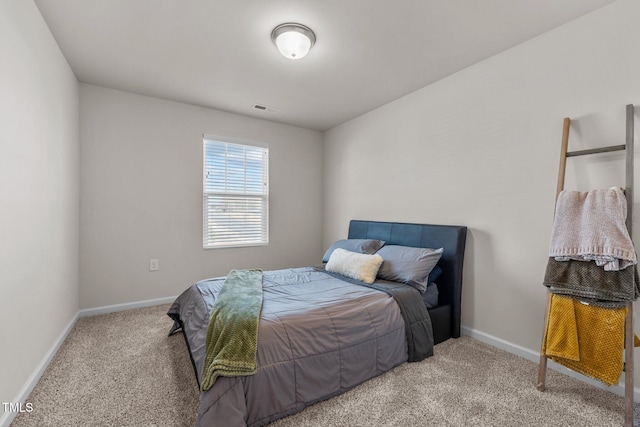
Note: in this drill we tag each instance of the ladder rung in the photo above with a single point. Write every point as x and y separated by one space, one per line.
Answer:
596 150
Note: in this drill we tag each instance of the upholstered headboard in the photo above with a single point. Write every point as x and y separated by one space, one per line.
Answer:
445 317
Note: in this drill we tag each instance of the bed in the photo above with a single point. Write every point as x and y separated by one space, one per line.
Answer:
322 333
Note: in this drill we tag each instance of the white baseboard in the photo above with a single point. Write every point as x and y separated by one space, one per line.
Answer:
534 356
23 395
126 306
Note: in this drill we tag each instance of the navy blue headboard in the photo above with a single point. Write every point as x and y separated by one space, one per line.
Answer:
450 237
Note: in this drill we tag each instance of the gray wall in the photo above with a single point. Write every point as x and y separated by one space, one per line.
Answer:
481 148
39 151
141 196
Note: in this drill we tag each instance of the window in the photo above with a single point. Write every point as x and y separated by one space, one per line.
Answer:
236 194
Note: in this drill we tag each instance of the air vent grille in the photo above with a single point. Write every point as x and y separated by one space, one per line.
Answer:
262 107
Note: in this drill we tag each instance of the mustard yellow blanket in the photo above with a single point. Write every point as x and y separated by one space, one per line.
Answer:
232 337
585 338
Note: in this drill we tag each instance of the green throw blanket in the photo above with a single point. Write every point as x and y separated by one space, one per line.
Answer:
232 337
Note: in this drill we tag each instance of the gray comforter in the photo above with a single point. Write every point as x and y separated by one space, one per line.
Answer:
318 337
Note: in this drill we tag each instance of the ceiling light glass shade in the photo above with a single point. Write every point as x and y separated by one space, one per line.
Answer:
293 40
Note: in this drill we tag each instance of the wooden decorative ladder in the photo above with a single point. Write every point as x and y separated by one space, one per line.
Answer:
629 335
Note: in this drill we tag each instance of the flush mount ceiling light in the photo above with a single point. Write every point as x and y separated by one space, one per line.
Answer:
293 40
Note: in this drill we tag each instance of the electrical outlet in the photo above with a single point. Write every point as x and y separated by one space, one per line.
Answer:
154 265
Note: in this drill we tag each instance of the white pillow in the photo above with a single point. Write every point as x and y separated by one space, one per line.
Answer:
357 266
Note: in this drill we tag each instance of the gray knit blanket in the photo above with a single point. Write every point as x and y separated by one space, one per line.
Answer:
590 283
590 226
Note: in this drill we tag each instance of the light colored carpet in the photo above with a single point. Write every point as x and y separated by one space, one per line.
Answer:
121 369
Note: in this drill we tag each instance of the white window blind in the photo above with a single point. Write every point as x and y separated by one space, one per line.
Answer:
236 194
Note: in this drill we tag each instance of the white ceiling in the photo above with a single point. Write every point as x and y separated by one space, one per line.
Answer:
219 54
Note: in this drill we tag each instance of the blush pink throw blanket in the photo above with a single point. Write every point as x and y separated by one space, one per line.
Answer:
590 226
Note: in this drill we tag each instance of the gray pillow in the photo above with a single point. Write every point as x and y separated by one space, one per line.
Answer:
408 265
430 296
361 246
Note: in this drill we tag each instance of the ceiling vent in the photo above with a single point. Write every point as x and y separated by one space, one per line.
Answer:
266 108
